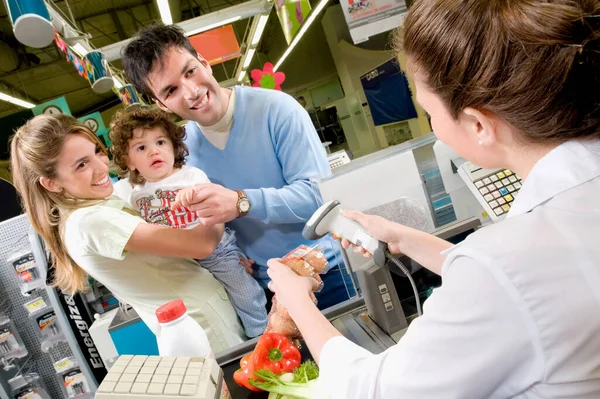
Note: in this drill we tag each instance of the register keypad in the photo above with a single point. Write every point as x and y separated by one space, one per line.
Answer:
499 190
133 377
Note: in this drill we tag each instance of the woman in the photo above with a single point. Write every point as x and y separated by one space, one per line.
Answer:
60 169
511 84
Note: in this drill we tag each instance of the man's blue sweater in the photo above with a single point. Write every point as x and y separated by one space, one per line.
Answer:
273 153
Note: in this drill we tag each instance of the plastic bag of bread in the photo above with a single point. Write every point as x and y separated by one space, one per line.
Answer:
307 262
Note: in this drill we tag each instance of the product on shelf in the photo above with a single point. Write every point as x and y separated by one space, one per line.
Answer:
26 268
28 386
45 320
11 345
74 381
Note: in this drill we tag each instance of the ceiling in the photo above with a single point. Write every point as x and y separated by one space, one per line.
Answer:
38 75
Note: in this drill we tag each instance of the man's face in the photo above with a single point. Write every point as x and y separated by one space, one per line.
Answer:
183 84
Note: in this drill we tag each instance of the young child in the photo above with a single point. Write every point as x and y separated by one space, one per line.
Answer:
149 145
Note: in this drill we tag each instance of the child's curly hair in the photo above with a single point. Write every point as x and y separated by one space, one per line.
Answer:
121 132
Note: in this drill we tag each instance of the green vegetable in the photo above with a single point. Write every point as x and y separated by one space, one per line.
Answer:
306 372
305 383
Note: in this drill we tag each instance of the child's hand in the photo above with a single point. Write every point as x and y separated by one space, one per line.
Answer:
247 263
183 198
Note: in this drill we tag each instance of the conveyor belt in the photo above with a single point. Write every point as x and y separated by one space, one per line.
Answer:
349 318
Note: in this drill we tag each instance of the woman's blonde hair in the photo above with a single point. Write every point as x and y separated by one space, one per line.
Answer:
534 63
34 152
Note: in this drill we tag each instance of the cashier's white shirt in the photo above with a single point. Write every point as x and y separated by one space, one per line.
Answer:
518 312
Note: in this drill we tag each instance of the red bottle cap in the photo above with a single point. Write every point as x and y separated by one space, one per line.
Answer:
170 311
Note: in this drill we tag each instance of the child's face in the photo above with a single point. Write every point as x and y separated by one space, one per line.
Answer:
151 153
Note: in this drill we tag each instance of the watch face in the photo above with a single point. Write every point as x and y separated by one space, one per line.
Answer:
244 205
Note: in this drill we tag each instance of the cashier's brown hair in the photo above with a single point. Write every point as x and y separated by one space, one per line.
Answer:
34 152
533 63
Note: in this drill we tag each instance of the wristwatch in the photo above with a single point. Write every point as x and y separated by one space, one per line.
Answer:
243 205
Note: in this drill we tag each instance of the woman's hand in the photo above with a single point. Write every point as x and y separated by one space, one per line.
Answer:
290 288
378 227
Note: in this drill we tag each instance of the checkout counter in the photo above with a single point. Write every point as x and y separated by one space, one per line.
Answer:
351 318
368 183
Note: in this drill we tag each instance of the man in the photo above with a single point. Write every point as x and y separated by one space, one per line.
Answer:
302 101
258 147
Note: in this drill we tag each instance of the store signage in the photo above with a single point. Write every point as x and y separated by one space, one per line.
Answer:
80 321
267 78
388 94
53 107
217 45
291 14
366 18
96 124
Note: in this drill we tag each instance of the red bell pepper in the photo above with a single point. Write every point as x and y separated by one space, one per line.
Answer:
275 352
244 373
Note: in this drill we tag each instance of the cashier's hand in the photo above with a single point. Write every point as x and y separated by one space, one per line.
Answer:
213 203
288 286
378 227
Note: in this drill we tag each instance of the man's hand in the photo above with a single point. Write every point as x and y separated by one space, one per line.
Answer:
213 203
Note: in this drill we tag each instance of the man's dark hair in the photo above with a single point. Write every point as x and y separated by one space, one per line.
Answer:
147 47
301 98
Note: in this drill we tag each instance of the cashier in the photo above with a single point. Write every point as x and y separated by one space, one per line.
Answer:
513 85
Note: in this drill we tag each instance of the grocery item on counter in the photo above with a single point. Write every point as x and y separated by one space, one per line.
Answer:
180 335
273 352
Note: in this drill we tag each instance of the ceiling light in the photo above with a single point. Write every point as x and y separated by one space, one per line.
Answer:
213 26
165 11
242 76
118 83
79 49
248 58
301 32
16 101
260 27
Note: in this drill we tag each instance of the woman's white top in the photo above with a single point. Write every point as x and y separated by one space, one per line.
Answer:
95 238
518 312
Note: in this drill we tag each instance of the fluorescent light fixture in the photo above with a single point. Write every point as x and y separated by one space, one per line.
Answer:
118 83
165 11
248 59
79 49
16 101
242 76
260 27
301 32
213 26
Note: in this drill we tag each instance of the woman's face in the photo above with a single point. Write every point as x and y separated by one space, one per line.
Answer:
82 170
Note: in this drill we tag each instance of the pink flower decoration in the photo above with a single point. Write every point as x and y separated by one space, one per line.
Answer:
266 78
